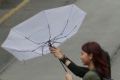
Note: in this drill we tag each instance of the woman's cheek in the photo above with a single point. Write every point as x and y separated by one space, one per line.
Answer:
85 60
82 59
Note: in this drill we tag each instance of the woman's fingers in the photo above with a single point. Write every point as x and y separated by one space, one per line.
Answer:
53 49
57 52
68 76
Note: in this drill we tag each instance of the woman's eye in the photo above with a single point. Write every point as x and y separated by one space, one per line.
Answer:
81 53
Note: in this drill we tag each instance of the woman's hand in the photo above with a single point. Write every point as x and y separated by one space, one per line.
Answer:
68 76
56 52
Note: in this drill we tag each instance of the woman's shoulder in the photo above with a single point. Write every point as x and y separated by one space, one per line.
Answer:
91 75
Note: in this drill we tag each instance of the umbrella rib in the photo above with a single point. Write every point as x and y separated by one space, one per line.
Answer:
67 34
49 31
55 42
43 49
62 30
33 49
33 41
29 39
65 26
48 26
63 36
36 42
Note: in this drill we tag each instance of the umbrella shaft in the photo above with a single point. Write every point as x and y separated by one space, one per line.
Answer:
63 66
50 45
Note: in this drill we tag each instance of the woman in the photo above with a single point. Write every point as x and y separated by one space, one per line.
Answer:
93 56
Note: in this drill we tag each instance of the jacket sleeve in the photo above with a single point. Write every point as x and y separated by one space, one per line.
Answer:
75 69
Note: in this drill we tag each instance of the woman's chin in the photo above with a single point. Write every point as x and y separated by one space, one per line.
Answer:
85 64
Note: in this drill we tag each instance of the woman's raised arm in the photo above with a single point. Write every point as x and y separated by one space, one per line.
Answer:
77 70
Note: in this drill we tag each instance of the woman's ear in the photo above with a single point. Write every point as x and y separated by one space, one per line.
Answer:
91 56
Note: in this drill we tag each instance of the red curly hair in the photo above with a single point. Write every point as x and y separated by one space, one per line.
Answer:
101 58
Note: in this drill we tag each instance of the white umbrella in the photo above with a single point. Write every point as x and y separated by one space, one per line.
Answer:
32 37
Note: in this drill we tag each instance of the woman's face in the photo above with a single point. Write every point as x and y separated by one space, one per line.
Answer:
86 58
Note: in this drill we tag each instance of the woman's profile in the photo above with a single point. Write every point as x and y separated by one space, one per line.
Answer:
93 56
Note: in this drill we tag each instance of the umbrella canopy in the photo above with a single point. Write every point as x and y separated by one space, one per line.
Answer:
32 37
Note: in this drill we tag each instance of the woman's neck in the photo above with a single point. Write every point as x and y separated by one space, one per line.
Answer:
91 66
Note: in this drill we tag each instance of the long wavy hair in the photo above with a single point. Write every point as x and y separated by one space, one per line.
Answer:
101 58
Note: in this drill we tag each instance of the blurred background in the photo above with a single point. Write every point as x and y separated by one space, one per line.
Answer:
102 24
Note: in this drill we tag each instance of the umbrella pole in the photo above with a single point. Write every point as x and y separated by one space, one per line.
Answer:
50 45
63 66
